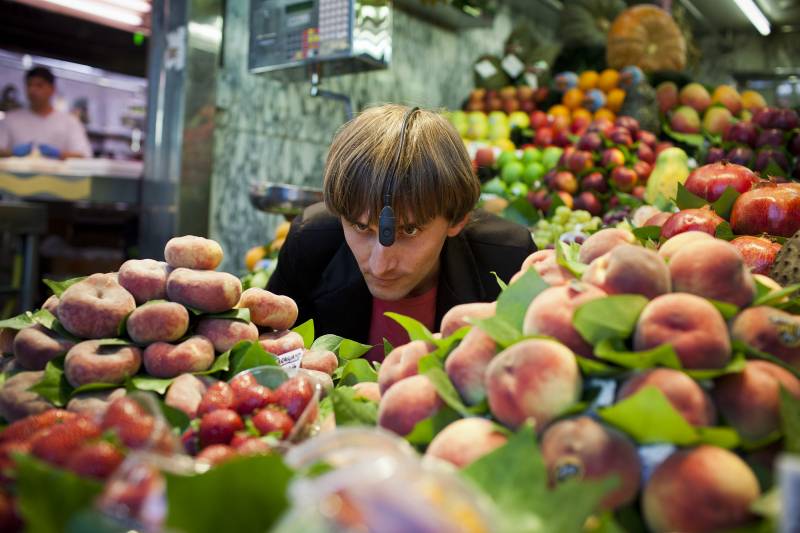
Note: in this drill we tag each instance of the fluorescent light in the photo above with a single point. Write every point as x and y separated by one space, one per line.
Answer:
99 9
134 5
757 18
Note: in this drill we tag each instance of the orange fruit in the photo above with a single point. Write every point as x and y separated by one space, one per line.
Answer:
588 80
253 256
558 110
615 99
608 80
604 113
581 112
573 98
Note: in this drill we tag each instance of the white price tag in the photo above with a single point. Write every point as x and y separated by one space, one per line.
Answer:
485 69
652 455
513 66
789 480
532 80
291 359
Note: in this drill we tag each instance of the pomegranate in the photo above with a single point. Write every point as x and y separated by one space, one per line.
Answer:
772 208
758 253
702 219
710 181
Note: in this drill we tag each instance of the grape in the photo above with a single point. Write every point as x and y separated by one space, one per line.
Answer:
563 210
566 225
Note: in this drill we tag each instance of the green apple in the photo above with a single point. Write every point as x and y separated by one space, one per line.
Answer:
518 189
551 156
531 154
506 157
498 117
512 172
519 119
533 172
495 186
498 131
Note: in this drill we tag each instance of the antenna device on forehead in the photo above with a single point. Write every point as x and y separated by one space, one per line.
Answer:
386 226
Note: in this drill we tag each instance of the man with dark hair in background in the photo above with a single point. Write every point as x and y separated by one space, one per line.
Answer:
56 134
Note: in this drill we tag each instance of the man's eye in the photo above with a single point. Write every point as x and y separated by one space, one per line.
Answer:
410 231
361 228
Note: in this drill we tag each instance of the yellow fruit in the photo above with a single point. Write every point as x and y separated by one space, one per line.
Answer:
588 80
505 144
671 168
581 112
253 256
276 245
282 230
604 113
573 98
615 99
608 80
558 110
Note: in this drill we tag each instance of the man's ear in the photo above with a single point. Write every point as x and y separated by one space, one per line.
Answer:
455 228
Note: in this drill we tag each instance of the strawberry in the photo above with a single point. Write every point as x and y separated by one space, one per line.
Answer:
56 443
218 396
218 427
142 488
253 446
132 423
294 395
189 441
96 460
216 454
273 420
248 399
25 428
239 437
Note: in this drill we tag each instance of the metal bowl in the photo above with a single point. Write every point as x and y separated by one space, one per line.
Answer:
283 199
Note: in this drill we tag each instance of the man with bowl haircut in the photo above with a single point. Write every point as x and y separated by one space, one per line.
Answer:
397 231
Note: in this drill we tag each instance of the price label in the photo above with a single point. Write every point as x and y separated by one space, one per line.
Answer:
291 359
531 79
485 69
513 66
652 455
789 479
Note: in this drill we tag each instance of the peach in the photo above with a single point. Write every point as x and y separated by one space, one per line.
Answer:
770 330
211 292
545 264
17 402
695 96
95 307
729 97
629 269
185 394
584 449
320 360
402 362
158 321
602 242
712 269
94 404
145 279
51 304
550 313
464 441
90 362
165 360
281 342
684 393
674 244
700 489
408 402
369 390
319 378
466 365
694 328
459 316
536 379
34 346
753 101
750 400
193 252
717 120
224 333
666 96
7 336
269 310
685 120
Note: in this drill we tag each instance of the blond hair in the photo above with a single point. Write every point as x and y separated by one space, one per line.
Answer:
434 174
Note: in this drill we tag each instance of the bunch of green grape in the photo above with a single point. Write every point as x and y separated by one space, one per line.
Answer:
566 225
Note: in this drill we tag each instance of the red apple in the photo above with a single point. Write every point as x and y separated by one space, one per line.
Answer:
629 123
528 106
660 147
580 161
561 137
624 178
710 181
566 198
620 135
645 153
484 157
588 202
540 199
565 181
702 219
643 170
601 125
758 253
590 141
772 208
539 119
612 157
639 191
594 181
579 125
647 137
543 137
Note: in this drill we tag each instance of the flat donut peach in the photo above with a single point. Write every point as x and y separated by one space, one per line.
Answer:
95 307
165 360
91 362
208 291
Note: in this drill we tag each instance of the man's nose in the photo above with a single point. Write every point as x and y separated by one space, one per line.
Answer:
383 259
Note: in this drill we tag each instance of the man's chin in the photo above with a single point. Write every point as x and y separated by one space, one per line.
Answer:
385 293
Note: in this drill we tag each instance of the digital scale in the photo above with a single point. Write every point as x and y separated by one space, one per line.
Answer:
294 39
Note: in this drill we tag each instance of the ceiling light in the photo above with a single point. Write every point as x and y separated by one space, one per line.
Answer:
757 18
102 10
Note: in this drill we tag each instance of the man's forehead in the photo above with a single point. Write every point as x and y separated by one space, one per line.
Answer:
400 220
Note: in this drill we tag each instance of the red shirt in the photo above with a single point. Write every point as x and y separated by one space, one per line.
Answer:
421 308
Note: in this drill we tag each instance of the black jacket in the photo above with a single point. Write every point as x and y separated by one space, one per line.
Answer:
317 269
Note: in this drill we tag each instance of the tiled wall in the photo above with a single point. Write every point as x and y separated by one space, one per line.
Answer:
273 131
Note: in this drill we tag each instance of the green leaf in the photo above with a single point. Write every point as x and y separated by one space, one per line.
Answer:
593 367
306 330
503 333
58 287
503 285
735 365
54 386
663 355
243 494
427 362
357 371
114 342
18 322
352 411
754 353
695 140
221 364
647 233
688 200
727 310
773 169
521 211
446 391
387 347
149 383
567 256
724 231
555 203
242 315
343 348
48 496
772 298
93 387
246 355
416 330
612 317
790 421
724 204
175 417
425 430
514 476
650 418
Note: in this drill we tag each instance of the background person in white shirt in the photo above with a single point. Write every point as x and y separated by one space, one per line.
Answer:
57 134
